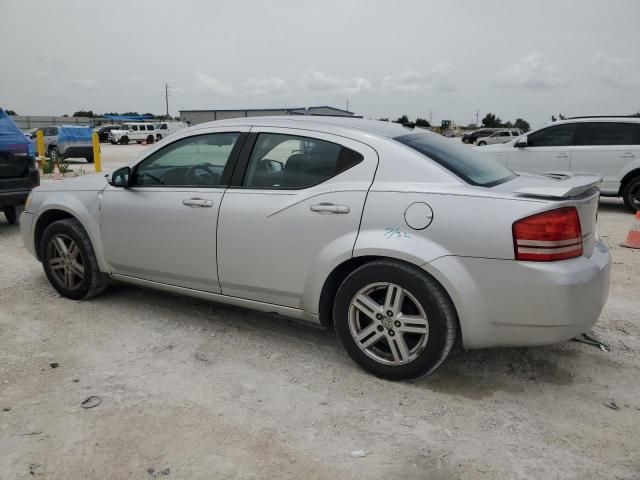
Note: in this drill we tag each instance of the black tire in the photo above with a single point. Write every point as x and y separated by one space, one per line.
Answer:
149 139
481 144
54 154
124 140
464 140
441 317
158 137
113 142
631 194
13 214
93 281
90 159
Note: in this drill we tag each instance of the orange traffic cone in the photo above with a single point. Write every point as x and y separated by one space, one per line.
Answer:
633 239
56 173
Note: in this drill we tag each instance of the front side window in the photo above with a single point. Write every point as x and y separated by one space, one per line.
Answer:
554 136
163 126
471 166
293 162
150 127
142 128
610 133
194 161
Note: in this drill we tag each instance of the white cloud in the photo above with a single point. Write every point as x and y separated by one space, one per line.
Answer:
616 72
266 86
212 85
531 72
83 83
411 81
319 81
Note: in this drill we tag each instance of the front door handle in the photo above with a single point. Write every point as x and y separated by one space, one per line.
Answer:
329 208
562 155
197 202
627 155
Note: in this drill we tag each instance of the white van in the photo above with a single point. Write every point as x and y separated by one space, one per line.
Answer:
164 129
133 131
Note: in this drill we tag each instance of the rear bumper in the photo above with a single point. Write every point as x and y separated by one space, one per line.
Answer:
506 303
13 197
78 151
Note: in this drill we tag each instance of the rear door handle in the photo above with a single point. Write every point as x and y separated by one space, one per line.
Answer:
329 208
627 155
197 202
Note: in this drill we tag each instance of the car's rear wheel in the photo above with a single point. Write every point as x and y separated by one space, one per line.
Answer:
54 154
124 140
394 320
149 139
480 144
158 137
631 194
13 214
69 260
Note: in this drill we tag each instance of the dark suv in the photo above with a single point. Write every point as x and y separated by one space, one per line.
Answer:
103 132
18 171
471 137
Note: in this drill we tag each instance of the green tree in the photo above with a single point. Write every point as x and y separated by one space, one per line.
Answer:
522 125
84 113
10 112
422 122
383 119
491 121
403 120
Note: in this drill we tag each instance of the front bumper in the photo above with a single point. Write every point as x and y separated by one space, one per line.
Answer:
26 231
507 303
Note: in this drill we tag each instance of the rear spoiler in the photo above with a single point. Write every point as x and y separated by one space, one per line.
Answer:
562 185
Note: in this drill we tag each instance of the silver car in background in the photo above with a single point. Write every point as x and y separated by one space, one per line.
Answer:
401 239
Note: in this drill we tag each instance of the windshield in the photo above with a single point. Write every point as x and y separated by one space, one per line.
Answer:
459 159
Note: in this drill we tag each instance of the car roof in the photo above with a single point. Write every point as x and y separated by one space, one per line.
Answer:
381 128
598 119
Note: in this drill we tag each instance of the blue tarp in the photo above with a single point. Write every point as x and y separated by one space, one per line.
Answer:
11 137
68 135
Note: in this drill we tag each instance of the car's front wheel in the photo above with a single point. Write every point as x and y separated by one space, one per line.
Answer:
631 194
69 260
394 320
481 144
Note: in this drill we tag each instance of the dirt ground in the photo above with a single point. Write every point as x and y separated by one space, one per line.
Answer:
195 390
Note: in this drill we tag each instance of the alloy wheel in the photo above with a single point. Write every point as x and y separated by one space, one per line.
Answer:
65 261
388 323
634 196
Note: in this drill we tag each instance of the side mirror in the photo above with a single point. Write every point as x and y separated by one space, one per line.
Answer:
521 142
120 178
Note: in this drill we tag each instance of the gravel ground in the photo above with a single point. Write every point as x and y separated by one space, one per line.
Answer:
195 390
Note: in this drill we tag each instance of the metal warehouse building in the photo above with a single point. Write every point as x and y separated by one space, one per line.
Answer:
199 116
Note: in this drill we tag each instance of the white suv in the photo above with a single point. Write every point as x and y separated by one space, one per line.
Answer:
501 136
137 132
608 146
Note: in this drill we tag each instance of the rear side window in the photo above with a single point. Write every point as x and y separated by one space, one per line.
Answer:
293 162
610 133
142 128
554 136
134 127
150 127
466 163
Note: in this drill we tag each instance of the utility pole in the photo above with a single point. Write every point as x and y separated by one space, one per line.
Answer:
166 98
431 117
347 104
477 115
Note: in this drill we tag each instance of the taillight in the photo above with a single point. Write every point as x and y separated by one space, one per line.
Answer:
548 236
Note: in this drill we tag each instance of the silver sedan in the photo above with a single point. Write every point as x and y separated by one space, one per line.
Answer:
402 240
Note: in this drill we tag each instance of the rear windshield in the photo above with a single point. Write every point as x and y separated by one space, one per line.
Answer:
460 159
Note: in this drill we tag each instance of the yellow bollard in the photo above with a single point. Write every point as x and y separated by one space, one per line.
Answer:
96 152
40 143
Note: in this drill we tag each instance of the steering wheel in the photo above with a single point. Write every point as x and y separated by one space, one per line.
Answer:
194 178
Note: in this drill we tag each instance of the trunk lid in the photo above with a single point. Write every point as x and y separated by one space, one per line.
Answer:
562 189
